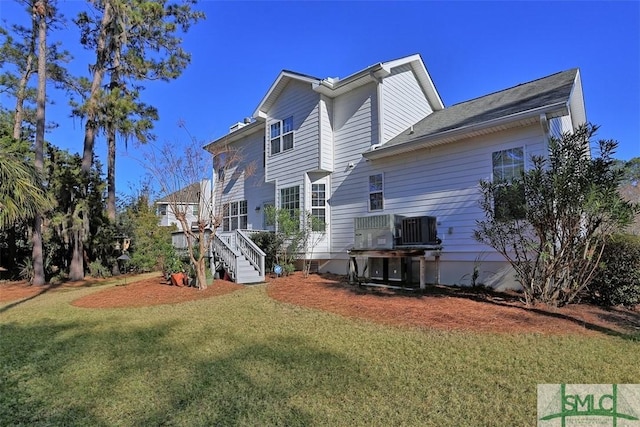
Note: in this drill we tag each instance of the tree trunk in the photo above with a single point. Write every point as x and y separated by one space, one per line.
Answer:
111 174
111 138
76 269
201 268
24 79
37 252
93 101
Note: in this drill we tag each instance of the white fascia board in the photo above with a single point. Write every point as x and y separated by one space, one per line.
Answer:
423 76
577 108
451 135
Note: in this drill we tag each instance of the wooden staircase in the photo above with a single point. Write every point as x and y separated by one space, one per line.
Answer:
241 258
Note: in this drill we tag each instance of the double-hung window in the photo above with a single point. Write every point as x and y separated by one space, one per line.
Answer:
281 135
234 215
376 195
318 207
508 197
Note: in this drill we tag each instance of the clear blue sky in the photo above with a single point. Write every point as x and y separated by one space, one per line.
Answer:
470 49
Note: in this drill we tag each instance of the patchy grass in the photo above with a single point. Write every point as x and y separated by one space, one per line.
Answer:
245 359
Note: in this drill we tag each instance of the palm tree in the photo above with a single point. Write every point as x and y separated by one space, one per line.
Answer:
21 194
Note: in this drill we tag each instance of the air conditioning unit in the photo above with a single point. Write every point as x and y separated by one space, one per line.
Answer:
389 269
376 268
419 230
376 232
397 269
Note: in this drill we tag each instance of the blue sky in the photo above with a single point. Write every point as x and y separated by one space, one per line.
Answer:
470 49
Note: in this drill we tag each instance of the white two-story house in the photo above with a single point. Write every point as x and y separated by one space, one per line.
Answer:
380 143
192 201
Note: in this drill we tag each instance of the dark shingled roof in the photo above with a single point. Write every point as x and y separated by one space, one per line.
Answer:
187 194
546 91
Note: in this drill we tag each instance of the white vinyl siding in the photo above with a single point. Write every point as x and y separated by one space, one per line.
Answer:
299 101
404 102
246 180
354 132
441 182
560 125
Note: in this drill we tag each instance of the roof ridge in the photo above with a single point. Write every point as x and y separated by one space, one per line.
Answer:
512 87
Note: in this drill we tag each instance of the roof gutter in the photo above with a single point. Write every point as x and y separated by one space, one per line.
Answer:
420 142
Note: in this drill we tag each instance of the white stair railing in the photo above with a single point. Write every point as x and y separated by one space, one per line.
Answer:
251 251
225 251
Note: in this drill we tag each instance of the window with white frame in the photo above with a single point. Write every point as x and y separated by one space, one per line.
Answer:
162 210
318 207
234 215
290 200
195 210
281 135
508 198
376 195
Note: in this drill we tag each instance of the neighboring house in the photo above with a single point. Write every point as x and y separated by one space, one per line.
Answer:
191 200
381 142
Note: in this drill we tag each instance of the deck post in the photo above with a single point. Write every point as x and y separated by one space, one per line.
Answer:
353 270
423 271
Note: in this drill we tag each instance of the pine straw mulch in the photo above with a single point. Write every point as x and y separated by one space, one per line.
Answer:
439 307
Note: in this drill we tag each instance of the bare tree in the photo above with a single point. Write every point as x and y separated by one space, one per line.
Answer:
185 175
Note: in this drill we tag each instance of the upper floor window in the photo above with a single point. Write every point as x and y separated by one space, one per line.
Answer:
162 210
195 210
508 198
234 215
281 135
318 206
376 196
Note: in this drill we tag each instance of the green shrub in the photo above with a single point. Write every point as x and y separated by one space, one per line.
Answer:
268 242
27 271
617 281
96 269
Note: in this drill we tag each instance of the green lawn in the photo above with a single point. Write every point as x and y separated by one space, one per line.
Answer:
244 359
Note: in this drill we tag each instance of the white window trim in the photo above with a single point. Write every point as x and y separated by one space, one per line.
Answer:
227 216
281 136
369 192
322 207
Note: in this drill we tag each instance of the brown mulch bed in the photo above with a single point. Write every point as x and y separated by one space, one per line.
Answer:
447 308
439 307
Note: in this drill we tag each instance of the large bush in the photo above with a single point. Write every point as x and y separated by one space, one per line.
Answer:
268 242
551 222
618 278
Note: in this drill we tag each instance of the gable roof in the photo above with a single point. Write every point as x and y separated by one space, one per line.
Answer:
549 95
334 86
188 194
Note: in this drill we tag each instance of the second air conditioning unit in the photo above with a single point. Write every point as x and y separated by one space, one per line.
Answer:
377 231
